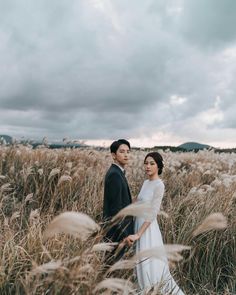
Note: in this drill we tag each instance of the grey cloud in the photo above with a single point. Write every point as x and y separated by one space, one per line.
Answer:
210 24
230 118
80 71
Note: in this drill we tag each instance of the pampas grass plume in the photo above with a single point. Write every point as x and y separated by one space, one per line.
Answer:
122 264
214 221
64 178
74 223
115 285
103 247
47 267
54 171
169 251
138 209
29 197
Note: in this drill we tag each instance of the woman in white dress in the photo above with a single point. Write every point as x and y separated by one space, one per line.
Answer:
147 235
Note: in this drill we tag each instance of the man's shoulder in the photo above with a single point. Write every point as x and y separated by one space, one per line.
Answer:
113 172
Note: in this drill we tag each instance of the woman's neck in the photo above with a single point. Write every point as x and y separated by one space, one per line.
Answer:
153 177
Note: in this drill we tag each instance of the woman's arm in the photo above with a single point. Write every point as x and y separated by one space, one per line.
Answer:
132 238
156 203
135 199
142 229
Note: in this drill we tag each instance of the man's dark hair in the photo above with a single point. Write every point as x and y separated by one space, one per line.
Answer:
115 145
158 159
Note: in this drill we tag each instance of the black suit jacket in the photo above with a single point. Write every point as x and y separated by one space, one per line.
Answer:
116 197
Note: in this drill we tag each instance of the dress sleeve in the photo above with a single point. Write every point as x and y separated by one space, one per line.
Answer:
158 193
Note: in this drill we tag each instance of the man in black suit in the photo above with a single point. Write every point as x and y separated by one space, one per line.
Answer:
117 194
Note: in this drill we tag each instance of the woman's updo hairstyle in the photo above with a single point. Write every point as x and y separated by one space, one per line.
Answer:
158 159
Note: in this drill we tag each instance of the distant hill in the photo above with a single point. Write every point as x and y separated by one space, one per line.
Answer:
191 146
6 139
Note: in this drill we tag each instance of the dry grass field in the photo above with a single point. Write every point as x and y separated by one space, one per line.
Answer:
37 185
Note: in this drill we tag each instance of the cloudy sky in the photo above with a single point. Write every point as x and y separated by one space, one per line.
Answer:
157 72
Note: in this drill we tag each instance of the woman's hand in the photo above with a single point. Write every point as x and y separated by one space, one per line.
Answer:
132 238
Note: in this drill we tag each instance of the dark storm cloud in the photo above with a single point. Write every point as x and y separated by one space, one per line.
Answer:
71 66
104 69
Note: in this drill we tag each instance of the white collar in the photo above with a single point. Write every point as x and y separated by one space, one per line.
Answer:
121 168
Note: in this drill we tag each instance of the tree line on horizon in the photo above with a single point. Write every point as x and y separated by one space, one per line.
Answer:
186 147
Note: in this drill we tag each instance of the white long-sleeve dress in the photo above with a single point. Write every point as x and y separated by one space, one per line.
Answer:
153 271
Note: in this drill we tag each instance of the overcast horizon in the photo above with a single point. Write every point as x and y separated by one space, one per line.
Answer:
157 72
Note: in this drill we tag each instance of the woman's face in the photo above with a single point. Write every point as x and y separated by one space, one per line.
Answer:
150 167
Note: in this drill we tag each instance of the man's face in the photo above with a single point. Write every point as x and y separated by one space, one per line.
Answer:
121 156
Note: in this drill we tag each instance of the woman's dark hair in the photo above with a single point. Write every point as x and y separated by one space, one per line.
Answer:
158 159
115 145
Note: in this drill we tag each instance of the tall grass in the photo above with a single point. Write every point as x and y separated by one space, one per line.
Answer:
37 185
